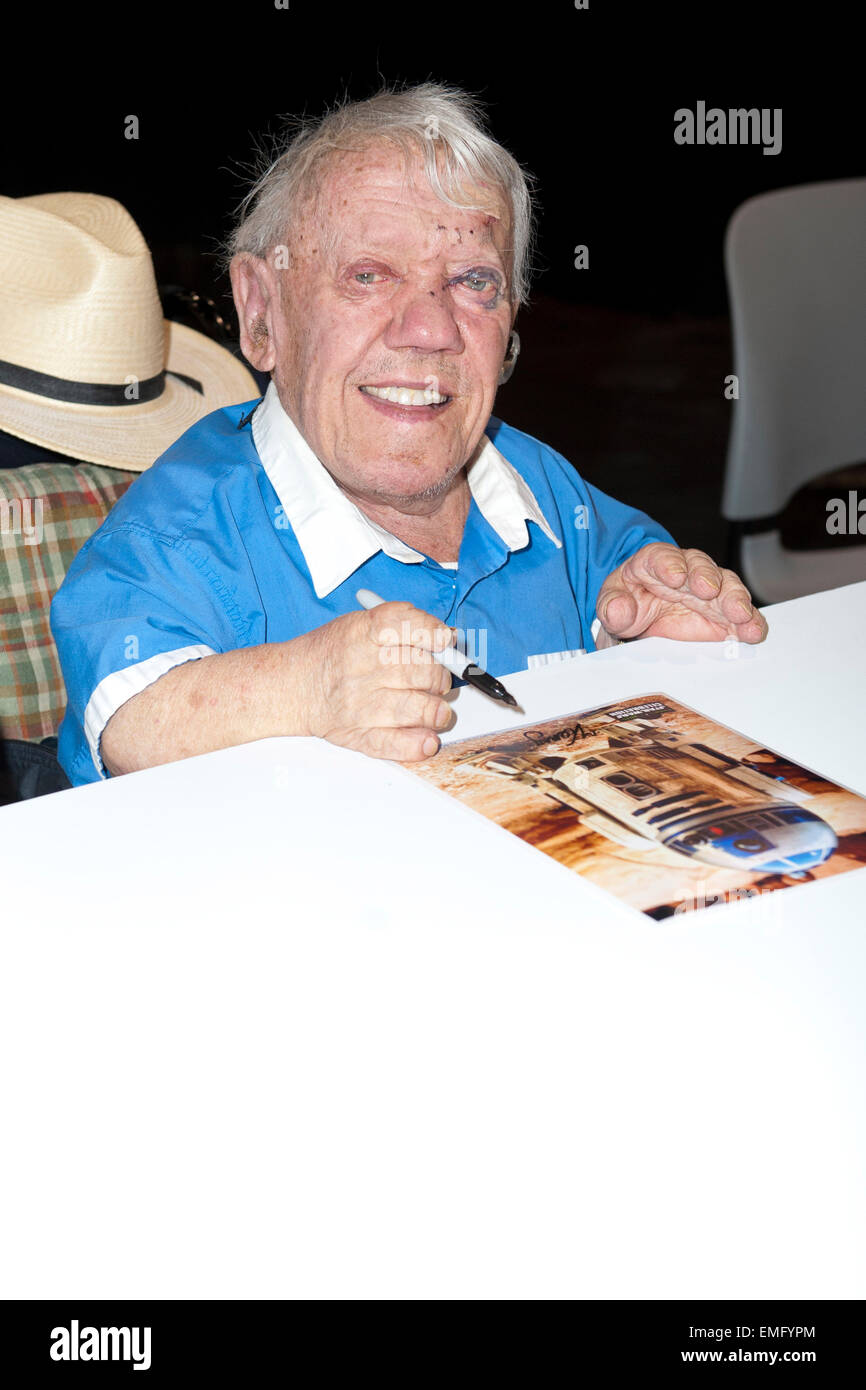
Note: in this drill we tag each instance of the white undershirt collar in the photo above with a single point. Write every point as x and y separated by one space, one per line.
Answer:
336 537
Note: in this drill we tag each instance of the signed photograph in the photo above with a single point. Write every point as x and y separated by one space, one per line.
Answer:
659 805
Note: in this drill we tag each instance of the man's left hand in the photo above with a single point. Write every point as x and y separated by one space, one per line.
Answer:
662 591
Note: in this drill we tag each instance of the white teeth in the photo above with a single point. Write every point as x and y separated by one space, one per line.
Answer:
402 395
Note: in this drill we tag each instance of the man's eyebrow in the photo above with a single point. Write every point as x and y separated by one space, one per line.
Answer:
464 257
481 263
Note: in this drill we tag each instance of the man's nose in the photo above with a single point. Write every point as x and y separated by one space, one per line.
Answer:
422 318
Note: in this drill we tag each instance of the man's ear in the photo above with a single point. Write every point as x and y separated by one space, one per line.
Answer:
255 296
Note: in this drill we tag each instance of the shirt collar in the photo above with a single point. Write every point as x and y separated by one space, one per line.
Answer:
336 537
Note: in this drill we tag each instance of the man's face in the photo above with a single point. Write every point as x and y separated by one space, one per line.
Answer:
404 294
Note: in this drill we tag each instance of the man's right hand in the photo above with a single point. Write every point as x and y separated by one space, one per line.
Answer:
365 680
374 684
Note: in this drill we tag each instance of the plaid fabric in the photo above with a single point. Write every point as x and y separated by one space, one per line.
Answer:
47 512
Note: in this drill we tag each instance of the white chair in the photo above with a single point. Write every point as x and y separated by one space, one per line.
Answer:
796 268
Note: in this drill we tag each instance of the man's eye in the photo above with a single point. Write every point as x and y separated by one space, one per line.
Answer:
366 277
481 284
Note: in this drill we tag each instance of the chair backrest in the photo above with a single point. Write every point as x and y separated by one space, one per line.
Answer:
47 512
796 267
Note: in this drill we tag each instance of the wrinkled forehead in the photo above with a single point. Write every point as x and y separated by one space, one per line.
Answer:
385 191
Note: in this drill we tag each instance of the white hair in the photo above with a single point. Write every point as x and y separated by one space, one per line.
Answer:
443 123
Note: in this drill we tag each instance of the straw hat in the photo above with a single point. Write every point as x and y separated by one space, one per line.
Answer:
88 365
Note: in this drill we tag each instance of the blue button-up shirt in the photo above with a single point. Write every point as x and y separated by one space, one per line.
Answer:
238 536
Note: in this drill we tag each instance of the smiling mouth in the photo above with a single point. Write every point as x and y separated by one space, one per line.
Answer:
408 397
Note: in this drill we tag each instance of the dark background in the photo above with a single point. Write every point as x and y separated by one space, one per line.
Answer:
623 365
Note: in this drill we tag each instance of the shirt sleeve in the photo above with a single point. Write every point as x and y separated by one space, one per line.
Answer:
133 605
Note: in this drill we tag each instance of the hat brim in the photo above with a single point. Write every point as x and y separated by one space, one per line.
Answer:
132 437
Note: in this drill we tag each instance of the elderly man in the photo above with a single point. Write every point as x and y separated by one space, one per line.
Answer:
377 272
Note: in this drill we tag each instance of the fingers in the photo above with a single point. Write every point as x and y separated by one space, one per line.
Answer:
632 596
401 745
403 625
618 610
691 571
404 639
369 705
411 709
382 687
658 562
412 669
664 590
709 581
755 630
729 598
736 601
404 725
704 578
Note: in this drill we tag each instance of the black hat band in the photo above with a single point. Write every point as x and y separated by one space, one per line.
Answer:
58 388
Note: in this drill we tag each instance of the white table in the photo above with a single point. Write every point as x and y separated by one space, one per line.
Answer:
285 1021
